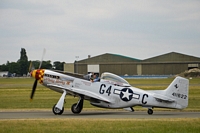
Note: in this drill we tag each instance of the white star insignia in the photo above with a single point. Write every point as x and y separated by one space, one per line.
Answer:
126 94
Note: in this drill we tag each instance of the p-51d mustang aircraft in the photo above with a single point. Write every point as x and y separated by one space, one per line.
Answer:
111 91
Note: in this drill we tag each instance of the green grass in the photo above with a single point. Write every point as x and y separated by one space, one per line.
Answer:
101 125
15 93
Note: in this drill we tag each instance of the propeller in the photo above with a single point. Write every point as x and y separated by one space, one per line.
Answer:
36 80
31 67
44 51
33 89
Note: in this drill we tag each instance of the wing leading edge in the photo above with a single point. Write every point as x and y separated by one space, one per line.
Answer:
81 92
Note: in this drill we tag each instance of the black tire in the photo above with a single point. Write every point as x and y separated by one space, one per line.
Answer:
76 110
150 111
57 111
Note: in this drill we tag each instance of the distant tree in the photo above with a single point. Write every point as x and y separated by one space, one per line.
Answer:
23 62
14 67
58 65
35 64
21 67
4 67
46 65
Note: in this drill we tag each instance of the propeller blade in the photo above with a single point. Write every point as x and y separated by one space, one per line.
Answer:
31 67
33 89
35 83
44 51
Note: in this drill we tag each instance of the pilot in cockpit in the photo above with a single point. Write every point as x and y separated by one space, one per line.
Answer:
92 77
95 78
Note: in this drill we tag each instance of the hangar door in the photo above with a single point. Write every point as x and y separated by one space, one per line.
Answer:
93 68
191 66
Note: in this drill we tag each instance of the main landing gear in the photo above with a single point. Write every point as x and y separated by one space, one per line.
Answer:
150 111
76 108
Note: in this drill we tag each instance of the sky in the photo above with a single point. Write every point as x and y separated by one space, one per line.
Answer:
71 30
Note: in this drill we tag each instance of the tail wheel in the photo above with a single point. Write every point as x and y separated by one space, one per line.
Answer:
76 109
150 111
57 111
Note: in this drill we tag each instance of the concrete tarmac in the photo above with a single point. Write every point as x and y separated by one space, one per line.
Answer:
97 115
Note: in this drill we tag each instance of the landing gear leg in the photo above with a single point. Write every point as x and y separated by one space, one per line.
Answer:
150 111
129 109
58 108
77 107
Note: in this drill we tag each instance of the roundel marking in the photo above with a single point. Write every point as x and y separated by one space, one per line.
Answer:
126 94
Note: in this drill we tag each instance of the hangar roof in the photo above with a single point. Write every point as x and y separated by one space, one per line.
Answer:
108 58
172 57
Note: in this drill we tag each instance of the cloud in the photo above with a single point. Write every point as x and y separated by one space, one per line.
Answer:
139 29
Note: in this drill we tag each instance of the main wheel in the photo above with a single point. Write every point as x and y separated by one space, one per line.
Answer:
57 111
76 109
150 111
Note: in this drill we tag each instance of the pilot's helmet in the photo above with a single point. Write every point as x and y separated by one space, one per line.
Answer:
90 75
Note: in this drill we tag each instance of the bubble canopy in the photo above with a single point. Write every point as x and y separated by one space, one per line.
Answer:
113 77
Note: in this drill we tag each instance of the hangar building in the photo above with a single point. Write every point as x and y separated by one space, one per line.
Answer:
166 64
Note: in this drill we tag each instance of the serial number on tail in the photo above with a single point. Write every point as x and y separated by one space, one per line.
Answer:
179 95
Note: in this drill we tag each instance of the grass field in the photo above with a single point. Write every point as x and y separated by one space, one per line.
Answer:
101 126
15 93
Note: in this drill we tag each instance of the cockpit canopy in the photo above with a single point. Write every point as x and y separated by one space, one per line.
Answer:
114 78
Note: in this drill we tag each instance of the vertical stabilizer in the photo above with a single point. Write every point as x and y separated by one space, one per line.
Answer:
178 90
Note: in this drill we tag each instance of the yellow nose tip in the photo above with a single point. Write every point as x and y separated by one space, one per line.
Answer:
33 73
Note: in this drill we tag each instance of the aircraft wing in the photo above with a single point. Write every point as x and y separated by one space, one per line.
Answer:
163 98
81 92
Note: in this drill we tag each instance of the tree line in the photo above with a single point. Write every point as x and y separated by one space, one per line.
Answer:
22 67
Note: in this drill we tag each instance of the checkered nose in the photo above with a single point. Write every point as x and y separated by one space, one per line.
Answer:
36 74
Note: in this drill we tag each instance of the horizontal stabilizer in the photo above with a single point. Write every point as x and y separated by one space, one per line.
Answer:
163 98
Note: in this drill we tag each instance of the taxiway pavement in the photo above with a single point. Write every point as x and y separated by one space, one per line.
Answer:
97 115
